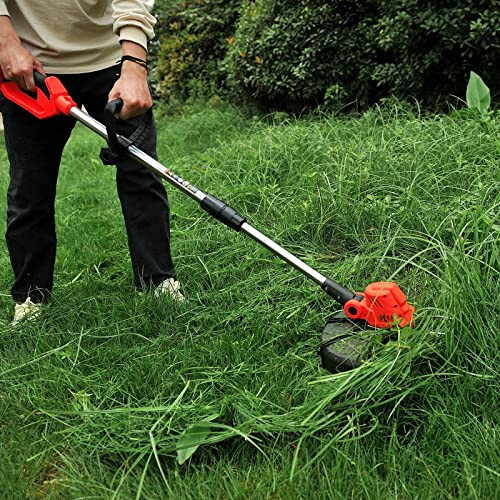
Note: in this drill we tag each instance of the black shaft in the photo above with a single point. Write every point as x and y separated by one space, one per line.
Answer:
220 211
338 292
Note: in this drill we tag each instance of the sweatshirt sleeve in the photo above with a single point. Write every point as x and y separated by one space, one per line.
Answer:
132 20
3 8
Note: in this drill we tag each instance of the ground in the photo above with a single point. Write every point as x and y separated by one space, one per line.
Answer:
97 396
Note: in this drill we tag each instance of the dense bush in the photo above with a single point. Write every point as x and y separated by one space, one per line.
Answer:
192 40
294 53
427 49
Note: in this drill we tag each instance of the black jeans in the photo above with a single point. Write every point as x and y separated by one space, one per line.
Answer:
34 149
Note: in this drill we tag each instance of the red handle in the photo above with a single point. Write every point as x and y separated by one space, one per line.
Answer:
57 102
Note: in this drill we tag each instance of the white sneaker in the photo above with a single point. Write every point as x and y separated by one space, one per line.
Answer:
171 287
28 311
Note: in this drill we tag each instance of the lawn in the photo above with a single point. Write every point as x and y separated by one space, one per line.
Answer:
96 396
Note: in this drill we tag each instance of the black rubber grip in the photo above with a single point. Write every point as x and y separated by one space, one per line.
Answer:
220 211
39 79
112 108
40 83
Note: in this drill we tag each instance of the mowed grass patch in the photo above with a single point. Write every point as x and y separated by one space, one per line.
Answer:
95 396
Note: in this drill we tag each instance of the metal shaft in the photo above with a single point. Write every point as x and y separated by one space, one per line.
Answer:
335 290
143 158
283 254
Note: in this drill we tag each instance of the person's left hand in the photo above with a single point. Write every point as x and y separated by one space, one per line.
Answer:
132 87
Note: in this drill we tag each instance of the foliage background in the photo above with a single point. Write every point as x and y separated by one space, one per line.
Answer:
191 46
286 54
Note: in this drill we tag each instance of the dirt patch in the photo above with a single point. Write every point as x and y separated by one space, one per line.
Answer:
45 484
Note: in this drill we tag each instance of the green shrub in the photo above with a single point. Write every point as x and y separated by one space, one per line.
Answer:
192 40
292 52
303 52
427 49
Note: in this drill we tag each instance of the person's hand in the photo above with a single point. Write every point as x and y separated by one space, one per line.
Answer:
17 63
132 87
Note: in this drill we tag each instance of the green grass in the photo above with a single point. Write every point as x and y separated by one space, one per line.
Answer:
94 397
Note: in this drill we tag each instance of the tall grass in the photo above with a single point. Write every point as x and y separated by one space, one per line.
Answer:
95 396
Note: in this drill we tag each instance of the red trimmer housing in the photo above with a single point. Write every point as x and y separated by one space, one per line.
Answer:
45 105
383 305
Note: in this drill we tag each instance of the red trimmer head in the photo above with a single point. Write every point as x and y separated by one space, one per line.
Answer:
346 338
383 305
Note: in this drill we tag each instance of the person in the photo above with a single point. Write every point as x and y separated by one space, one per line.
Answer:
98 49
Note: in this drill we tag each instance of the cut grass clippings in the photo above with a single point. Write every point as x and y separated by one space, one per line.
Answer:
117 394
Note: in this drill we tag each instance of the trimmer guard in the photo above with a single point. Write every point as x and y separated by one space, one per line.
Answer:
345 344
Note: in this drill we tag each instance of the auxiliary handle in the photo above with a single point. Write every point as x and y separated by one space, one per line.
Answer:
110 120
113 107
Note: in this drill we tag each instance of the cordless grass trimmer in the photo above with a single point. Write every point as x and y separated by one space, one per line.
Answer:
382 305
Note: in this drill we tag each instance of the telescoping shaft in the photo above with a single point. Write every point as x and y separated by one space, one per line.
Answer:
220 211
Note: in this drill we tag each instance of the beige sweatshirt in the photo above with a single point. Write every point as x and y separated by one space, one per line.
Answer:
79 36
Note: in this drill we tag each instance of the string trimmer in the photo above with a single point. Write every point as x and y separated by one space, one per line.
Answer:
382 305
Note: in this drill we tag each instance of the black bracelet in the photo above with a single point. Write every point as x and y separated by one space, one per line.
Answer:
140 62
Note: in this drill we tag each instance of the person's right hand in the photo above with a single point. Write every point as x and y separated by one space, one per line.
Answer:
18 64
